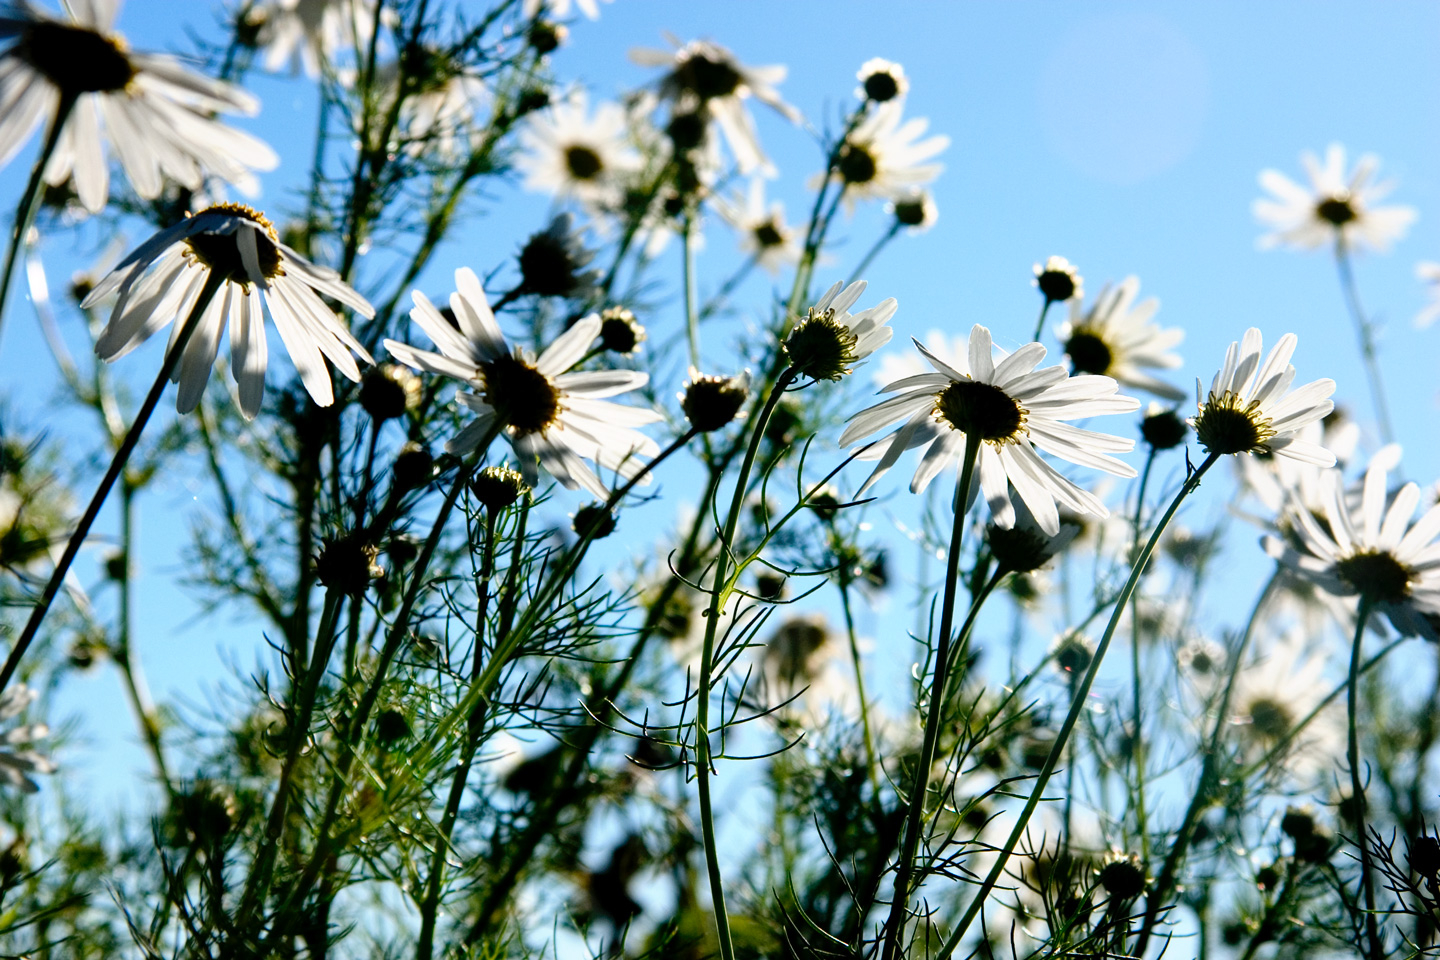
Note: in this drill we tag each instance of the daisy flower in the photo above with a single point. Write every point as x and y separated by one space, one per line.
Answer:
881 81
1014 409
1334 207
436 119
883 157
1429 273
1274 694
1115 338
568 153
914 209
1058 280
1251 408
1370 549
531 9
555 418
157 114
163 278
826 344
704 78
764 234
309 33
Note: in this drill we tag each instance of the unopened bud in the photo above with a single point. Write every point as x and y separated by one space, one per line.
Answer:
498 487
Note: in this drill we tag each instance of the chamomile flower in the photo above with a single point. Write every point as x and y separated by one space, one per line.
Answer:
1429 274
1059 280
706 80
1251 408
1274 695
1371 549
764 234
1013 409
163 278
552 418
158 116
1335 208
310 33
881 81
883 157
1116 338
570 153
830 340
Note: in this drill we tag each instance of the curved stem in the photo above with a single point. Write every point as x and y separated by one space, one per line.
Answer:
920 786
1365 333
117 464
874 252
1077 704
1375 949
31 198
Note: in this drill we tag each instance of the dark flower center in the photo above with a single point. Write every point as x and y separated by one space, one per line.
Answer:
1088 353
1270 718
75 59
1224 426
583 163
982 409
911 213
881 87
1376 575
768 235
619 334
821 347
523 398
1073 656
1337 210
1164 430
1056 285
1201 662
221 251
547 266
857 165
686 131
708 78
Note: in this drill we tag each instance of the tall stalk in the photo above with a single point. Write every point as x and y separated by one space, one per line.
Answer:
1365 334
1374 947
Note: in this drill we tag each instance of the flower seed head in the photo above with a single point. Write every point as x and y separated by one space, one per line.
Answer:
1163 428
388 391
620 332
498 487
347 564
1058 280
712 402
593 520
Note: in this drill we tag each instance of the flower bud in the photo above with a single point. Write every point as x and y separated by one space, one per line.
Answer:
1163 428
388 391
593 519
498 487
713 402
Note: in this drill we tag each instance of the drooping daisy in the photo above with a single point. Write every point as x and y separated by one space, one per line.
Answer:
1116 338
157 115
881 81
571 154
552 418
706 80
1429 273
883 157
1371 550
163 278
1251 408
1014 409
830 340
764 234
309 33
1335 208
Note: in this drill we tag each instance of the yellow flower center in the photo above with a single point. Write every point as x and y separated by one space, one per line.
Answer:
221 251
983 409
523 398
76 59
821 347
1226 425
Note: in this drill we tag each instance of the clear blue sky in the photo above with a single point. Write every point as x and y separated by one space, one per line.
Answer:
1125 137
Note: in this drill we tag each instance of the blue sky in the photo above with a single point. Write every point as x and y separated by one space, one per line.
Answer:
1125 137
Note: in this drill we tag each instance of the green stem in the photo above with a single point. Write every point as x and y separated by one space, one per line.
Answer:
124 654
692 309
1138 736
117 464
31 199
1077 704
919 789
870 764
1365 332
1040 323
1376 949
859 272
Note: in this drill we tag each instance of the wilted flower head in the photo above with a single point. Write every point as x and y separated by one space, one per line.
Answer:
881 81
1115 338
158 114
830 340
1058 280
162 281
17 765
1336 208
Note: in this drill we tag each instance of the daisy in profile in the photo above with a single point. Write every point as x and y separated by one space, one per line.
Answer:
158 115
572 154
884 157
764 234
830 340
164 279
1334 208
1013 409
881 81
1116 338
1369 548
705 80
1251 408
915 210
310 33
1429 273
552 418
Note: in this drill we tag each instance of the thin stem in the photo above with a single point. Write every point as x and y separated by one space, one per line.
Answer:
1365 333
874 251
124 654
692 309
1040 323
1357 787
117 464
1077 704
31 199
1137 738
920 786
859 678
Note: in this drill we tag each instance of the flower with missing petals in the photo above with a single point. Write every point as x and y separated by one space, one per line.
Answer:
830 340
553 418
1370 549
1116 338
1251 408
1335 208
1013 409
157 115
162 280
